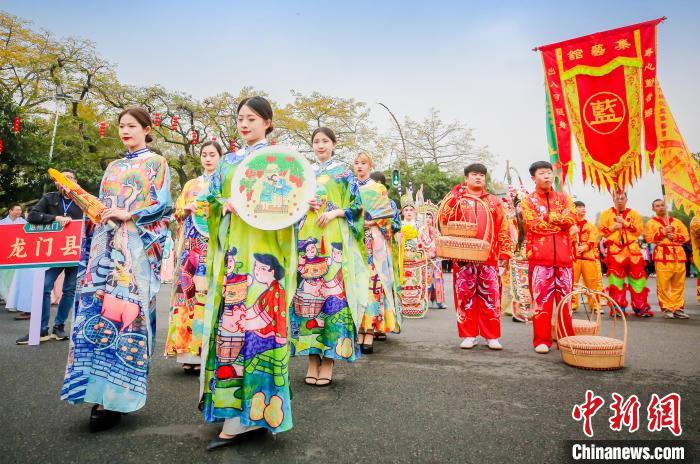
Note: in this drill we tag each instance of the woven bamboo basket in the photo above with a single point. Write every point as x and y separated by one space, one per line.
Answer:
459 238
586 326
594 352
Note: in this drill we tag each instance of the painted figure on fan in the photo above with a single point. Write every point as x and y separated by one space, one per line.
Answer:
413 263
548 215
381 314
186 323
621 227
477 291
669 235
245 355
428 238
584 238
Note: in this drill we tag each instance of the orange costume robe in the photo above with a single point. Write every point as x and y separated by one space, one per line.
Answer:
624 260
695 240
587 263
669 260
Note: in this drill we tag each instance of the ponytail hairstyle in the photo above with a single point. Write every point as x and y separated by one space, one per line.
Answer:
328 132
141 116
261 107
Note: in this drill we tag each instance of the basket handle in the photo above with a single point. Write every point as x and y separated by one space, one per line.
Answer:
484 204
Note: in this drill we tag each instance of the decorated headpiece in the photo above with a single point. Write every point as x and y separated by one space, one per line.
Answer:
407 200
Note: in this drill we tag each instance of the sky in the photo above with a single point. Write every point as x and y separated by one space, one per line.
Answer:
471 60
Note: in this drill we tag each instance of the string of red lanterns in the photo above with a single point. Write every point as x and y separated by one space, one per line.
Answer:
176 121
102 126
16 125
194 137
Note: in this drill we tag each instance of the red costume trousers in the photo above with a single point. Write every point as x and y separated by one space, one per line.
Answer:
477 295
549 285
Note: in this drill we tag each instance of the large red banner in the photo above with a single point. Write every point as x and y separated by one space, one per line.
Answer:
602 89
46 245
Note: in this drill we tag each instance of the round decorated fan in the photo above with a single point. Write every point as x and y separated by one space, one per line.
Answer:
272 187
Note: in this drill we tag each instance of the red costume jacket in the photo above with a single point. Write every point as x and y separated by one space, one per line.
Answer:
548 218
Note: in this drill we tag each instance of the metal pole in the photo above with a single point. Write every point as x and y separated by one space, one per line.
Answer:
403 141
53 136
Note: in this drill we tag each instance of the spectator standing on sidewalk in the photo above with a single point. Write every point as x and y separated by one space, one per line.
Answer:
56 206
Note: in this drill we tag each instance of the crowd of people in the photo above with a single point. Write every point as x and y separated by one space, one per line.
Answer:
245 299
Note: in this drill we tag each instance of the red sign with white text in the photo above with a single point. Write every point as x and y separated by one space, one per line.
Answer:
45 245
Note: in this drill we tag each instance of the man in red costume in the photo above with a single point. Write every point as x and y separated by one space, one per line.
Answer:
548 216
477 290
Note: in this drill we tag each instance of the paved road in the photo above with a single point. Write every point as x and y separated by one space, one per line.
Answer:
417 399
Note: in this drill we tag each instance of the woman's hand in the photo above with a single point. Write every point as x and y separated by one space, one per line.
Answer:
115 214
191 208
370 223
314 204
324 219
229 207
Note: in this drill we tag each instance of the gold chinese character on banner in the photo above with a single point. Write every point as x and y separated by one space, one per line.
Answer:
18 248
597 50
649 83
622 44
560 111
49 247
551 71
649 67
554 85
649 97
604 112
557 97
648 52
562 125
648 113
576 54
71 247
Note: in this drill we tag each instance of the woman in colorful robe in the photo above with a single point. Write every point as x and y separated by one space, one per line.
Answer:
245 382
190 289
436 281
119 277
381 313
413 264
332 275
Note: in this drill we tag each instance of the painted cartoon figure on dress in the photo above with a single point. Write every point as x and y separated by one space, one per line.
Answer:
232 320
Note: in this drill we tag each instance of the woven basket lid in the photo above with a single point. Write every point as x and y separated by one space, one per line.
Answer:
581 323
591 343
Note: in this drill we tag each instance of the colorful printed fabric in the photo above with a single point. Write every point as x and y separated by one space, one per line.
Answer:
520 285
245 350
477 300
119 277
381 313
332 275
549 284
436 280
413 266
190 290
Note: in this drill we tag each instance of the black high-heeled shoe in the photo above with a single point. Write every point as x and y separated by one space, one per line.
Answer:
366 349
103 419
219 442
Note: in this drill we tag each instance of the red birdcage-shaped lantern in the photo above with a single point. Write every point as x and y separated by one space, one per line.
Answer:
157 120
194 137
102 125
176 121
466 225
16 125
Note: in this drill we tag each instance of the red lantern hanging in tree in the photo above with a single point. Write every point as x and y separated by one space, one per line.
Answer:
176 120
1 146
16 125
102 129
156 121
194 137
